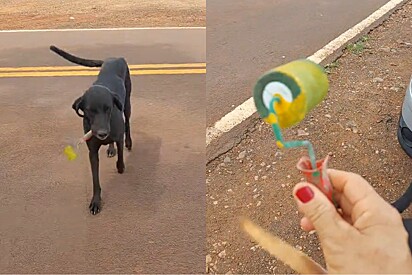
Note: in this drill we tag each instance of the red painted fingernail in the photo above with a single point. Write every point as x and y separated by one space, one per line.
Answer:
304 194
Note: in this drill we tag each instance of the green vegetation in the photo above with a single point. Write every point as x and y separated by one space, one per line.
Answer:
359 46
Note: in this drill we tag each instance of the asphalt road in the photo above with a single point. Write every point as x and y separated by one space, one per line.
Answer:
246 38
153 216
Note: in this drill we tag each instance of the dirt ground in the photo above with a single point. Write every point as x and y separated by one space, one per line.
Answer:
49 14
356 125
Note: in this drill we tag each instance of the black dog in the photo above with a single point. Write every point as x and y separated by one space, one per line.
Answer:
401 205
103 105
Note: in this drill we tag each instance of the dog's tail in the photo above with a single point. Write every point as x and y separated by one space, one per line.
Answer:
404 201
75 59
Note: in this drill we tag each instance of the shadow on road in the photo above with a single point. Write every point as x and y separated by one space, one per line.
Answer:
137 187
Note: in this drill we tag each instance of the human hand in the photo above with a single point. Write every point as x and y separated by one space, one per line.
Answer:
366 235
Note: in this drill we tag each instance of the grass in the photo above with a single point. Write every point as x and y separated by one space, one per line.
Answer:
329 67
359 46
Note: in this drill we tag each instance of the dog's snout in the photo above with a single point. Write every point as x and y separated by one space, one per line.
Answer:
102 134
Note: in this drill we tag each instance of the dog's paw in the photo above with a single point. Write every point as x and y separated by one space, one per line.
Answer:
120 167
111 152
128 144
95 206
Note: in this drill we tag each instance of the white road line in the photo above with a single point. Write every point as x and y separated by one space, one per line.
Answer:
247 108
106 29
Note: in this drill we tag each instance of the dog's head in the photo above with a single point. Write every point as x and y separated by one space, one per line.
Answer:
97 105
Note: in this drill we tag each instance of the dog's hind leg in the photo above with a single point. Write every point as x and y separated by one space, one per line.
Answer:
111 151
404 201
120 161
128 111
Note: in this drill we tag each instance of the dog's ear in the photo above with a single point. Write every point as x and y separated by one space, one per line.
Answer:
79 104
116 101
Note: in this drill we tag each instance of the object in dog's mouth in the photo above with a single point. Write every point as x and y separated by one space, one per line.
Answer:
295 259
70 150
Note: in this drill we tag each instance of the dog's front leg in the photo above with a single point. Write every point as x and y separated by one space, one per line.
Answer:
95 204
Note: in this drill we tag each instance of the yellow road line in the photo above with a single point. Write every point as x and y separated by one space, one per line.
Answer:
93 73
157 72
80 68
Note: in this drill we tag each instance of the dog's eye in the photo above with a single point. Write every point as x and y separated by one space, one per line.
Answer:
106 108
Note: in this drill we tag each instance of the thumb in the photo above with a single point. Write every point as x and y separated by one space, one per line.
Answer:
319 210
